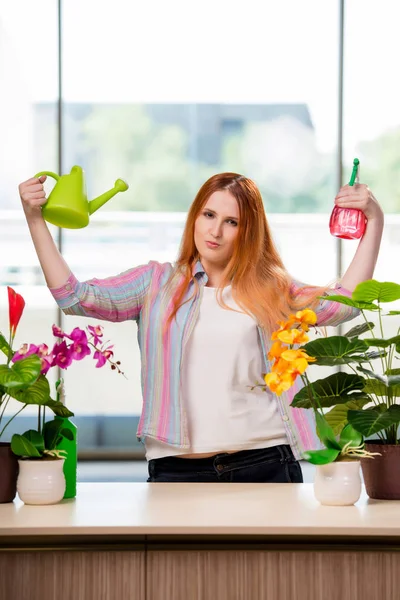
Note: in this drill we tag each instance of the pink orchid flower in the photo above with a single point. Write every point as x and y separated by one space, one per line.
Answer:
62 356
57 332
97 333
102 356
25 351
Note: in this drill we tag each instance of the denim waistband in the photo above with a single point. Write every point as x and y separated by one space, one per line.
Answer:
282 453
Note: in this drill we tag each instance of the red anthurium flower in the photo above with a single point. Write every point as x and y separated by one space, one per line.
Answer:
16 305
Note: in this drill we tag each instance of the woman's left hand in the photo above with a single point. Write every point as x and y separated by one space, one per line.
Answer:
359 196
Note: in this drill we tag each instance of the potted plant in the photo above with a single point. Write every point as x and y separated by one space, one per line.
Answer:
13 380
367 397
24 379
337 480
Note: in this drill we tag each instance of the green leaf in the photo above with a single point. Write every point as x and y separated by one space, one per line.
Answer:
51 432
22 373
382 343
23 447
334 389
336 350
321 457
375 354
59 408
337 416
349 434
67 433
5 347
350 302
35 438
377 388
392 372
388 380
38 393
371 290
360 329
370 420
392 313
325 433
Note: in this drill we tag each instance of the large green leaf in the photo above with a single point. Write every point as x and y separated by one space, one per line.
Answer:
5 347
336 350
337 416
23 447
378 388
350 302
337 388
382 343
321 457
360 329
37 393
59 408
35 438
388 380
371 290
325 433
371 420
350 436
21 374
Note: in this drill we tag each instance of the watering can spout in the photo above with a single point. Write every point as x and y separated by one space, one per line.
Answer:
119 186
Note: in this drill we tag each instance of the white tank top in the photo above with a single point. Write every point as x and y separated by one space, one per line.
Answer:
222 359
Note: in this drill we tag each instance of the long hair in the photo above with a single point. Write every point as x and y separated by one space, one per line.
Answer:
260 282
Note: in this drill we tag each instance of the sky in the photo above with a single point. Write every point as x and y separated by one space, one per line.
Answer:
215 51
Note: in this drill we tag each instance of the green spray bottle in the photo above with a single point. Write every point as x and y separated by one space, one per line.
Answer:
71 446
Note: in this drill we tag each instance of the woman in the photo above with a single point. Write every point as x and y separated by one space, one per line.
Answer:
203 328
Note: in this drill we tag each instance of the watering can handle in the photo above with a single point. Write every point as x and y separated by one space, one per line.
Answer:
49 173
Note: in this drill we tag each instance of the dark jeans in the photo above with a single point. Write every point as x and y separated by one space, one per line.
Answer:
270 465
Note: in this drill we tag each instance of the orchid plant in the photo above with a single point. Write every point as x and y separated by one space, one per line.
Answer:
290 361
23 377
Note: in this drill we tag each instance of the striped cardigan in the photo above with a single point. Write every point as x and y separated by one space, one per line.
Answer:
141 294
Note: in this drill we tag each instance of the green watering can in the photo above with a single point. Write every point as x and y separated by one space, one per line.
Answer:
67 205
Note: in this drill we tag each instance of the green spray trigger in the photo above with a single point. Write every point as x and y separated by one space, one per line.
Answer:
354 172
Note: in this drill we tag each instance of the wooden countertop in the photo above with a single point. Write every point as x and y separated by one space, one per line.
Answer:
221 509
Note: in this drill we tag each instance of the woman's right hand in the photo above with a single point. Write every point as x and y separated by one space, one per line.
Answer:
33 196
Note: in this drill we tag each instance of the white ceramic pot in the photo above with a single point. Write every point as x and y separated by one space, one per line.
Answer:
338 483
41 481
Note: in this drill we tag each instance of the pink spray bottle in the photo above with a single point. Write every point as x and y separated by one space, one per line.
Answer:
348 223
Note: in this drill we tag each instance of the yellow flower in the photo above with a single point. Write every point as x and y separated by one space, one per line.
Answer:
284 326
276 350
280 366
306 317
278 384
293 336
298 361
291 355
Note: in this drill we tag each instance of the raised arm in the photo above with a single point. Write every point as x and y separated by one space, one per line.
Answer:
363 264
54 267
115 298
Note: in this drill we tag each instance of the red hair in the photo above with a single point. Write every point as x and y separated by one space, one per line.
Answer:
260 282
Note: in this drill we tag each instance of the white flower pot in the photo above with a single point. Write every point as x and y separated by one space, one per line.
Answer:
338 483
41 481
